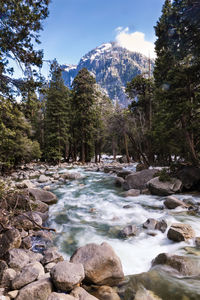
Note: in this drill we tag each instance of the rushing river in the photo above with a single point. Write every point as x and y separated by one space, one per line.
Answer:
91 210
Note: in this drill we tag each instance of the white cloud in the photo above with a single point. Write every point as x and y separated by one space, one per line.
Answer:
134 41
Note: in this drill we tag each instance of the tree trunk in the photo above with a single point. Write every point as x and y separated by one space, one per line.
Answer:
114 148
126 148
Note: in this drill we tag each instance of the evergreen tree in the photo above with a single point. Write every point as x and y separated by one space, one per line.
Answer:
56 116
84 114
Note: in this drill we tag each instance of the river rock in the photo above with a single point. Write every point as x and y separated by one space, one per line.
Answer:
43 178
40 290
66 275
8 240
44 196
71 176
130 230
24 221
124 173
81 294
28 274
138 180
60 296
7 277
39 206
172 202
51 255
179 232
152 224
119 181
104 292
26 243
25 184
19 258
3 267
185 265
101 264
166 188
143 294
132 193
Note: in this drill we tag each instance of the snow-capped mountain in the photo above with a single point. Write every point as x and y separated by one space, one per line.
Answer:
113 67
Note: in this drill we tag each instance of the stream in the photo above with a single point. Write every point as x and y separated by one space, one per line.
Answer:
91 210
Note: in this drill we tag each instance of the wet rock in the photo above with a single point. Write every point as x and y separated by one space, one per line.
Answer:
138 180
185 265
27 275
161 225
113 169
192 250
127 206
43 178
190 177
179 232
71 176
119 181
130 230
7 277
40 290
189 201
152 224
104 292
44 196
81 294
124 173
66 275
143 294
8 240
197 242
172 202
51 255
132 193
60 296
101 264
166 188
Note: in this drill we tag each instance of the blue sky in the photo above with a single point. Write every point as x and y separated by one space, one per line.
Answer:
75 27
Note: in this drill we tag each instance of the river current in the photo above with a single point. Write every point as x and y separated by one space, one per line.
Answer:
93 210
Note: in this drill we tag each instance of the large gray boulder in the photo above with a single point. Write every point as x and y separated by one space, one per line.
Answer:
27 275
138 180
52 255
66 275
81 294
132 193
166 188
185 265
101 264
71 176
44 196
60 296
172 202
8 240
179 232
25 221
40 290
19 258
7 277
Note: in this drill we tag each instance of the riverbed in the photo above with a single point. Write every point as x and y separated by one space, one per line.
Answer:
93 210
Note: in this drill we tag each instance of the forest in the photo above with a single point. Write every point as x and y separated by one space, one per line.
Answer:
53 123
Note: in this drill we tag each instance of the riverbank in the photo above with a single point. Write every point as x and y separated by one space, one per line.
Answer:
92 201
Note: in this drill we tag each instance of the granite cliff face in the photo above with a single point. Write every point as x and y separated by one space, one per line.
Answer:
113 67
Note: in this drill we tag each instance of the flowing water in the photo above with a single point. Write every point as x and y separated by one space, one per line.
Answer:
91 210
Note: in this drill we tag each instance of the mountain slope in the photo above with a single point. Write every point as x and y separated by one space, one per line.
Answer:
113 67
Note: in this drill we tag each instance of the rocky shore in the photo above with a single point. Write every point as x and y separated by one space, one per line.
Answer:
32 268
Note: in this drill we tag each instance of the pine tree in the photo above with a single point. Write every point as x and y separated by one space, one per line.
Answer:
56 116
83 107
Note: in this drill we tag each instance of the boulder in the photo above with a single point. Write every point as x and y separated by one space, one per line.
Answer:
179 232
119 181
44 196
60 296
172 202
39 206
124 173
51 255
166 188
113 169
130 230
7 277
40 290
101 264
80 294
25 184
132 193
43 178
66 275
19 258
27 275
190 177
104 292
152 224
24 221
138 180
71 176
3 267
185 265
8 240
